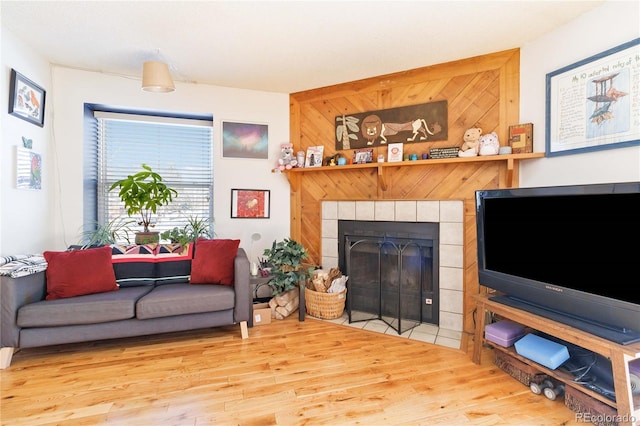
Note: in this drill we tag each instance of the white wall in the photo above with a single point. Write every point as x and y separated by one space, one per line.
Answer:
75 88
579 39
25 215
56 211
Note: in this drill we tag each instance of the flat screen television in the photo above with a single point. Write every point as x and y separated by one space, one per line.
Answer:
569 253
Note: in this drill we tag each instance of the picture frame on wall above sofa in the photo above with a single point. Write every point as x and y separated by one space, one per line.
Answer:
26 99
250 203
245 140
590 104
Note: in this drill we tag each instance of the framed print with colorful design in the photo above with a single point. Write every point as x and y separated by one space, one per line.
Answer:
26 99
245 140
250 203
28 169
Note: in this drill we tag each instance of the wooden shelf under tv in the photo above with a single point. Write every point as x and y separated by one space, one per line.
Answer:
512 161
627 404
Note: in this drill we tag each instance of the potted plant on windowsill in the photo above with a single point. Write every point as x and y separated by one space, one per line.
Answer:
142 193
115 231
195 228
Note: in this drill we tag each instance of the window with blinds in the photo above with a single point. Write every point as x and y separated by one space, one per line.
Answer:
179 148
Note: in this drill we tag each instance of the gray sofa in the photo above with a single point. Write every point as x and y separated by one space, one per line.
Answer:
138 308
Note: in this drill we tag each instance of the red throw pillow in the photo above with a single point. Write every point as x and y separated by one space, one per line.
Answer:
213 261
78 272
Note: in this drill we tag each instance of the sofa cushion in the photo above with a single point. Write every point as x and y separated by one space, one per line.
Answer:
181 299
89 309
79 272
213 261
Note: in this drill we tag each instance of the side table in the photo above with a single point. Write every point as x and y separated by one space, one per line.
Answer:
259 287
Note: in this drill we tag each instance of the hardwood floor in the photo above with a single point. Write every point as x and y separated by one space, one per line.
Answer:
286 373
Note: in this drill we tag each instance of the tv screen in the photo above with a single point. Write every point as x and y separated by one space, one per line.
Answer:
568 250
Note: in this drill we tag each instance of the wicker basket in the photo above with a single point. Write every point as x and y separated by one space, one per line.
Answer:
517 369
590 409
324 305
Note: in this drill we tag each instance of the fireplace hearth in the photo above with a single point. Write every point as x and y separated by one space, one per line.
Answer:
393 272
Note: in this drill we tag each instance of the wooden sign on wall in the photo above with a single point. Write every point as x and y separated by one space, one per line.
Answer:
416 123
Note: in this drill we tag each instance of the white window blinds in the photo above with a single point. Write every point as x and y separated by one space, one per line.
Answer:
179 149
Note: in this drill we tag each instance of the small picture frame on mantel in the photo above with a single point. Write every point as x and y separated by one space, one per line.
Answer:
363 156
395 152
314 156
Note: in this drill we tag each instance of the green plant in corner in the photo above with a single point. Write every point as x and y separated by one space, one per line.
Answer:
142 193
287 270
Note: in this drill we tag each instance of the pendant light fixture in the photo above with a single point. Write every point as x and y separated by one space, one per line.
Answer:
156 77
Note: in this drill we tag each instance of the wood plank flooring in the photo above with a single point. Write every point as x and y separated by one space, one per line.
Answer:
286 373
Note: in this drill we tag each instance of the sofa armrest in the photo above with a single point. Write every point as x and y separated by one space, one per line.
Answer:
15 293
244 301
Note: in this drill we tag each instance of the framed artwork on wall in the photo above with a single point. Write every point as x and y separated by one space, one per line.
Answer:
250 203
26 99
245 140
592 104
28 169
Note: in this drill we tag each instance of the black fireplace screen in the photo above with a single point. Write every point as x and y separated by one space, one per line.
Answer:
392 275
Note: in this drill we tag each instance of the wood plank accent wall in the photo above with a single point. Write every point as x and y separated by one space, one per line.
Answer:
481 92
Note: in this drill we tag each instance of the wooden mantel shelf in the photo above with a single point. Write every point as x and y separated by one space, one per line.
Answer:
511 159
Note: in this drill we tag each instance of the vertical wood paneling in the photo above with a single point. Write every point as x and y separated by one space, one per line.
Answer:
481 91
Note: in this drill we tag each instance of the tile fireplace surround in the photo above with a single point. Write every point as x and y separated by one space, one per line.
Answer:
448 214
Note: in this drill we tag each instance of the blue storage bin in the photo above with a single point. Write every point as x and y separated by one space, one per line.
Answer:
541 350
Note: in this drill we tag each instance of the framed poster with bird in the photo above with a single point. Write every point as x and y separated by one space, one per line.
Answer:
26 99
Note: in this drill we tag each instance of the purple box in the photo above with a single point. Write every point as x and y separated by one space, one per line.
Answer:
504 333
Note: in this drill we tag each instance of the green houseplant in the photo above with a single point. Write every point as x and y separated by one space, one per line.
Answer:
142 193
196 227
116 231
287 268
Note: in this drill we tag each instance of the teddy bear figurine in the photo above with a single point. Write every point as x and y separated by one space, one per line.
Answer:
287 158
489 144
471 138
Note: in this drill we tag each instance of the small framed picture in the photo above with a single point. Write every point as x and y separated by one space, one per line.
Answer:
395 152
26 99
250 203
362 156
314 156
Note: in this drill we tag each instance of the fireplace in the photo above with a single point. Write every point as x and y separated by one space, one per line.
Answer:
393 271
447 215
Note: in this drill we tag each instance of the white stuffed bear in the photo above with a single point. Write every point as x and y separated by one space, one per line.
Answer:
489 144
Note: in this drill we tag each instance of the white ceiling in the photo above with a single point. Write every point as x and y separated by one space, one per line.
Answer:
278 46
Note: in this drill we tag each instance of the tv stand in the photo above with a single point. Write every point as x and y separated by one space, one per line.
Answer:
626 404
622 337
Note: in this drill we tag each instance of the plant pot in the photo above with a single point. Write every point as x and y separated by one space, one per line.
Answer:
147 237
